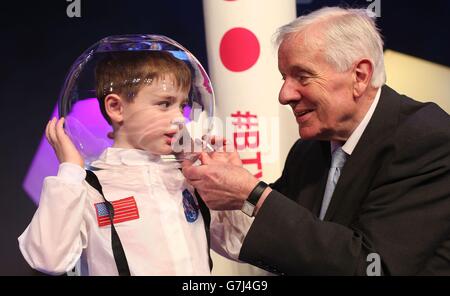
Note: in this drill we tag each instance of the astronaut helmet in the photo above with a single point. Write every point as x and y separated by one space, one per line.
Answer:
146 91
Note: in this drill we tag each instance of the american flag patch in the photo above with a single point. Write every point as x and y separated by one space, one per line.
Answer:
124 210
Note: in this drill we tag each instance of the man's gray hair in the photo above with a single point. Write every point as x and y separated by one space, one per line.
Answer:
346 36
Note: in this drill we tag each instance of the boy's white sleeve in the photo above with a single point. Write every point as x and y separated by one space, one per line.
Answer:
227 232
56 236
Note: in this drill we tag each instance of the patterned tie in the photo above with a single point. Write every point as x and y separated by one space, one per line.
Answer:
338 159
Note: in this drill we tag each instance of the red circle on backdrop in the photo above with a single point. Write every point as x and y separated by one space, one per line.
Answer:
239 49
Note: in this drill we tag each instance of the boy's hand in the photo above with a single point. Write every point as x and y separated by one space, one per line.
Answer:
61 143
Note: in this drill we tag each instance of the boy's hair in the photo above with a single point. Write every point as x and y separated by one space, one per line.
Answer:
125 73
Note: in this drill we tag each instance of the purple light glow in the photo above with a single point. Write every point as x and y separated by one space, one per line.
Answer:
187 112
45 163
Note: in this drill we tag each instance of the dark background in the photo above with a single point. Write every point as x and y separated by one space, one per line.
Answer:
39 43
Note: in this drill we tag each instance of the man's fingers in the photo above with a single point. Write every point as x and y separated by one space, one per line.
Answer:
187 163
194 173
222 144
189 172
205 158
218 142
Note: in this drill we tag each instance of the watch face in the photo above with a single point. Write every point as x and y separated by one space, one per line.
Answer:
248 208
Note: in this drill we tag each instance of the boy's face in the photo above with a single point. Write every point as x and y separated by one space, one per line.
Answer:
148 119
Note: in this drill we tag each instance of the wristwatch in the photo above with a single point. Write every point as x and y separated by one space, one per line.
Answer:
250 203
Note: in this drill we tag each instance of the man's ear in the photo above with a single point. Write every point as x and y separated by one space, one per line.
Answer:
114 108
363 72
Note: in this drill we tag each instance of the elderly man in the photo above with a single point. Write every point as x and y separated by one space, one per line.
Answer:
369 181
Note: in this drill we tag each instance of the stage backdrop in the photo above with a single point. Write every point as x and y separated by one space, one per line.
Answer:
422 80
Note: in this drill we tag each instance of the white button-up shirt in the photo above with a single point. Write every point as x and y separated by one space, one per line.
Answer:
157 241
353 140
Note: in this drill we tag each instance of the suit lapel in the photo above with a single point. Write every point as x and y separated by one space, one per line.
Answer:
307 173
356 175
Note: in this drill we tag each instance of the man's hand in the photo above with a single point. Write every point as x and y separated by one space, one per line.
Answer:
221 182
61 143
224 152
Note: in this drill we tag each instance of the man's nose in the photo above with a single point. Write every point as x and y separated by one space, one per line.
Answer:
288 93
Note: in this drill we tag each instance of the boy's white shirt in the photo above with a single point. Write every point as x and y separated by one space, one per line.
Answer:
160 242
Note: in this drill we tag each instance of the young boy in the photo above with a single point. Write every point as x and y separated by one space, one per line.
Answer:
156 219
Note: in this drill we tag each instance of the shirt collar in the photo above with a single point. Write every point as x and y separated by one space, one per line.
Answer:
126 156
353 140
165 174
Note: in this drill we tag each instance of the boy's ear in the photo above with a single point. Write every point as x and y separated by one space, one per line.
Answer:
114 108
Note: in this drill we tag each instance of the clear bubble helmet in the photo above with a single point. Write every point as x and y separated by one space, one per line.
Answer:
85 122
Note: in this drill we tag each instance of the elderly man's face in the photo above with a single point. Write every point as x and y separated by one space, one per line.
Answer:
321 97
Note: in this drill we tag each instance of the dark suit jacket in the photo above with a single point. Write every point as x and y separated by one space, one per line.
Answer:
393 198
